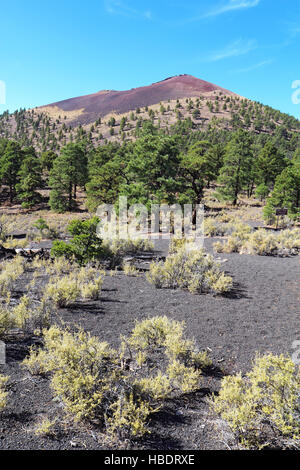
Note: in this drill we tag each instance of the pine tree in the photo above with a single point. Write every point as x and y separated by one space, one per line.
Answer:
237 169
197 169
69 171
30 179
269 164
10 161
47 159
286 193
106 166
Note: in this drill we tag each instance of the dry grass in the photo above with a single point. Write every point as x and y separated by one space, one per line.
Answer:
54 112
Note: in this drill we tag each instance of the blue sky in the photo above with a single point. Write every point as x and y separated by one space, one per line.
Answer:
53 50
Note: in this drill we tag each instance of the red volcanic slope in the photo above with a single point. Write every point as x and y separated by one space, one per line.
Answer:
104 102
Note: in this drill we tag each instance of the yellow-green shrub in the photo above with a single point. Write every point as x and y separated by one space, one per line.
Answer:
121 247
224 225
6 321
25 315
82 369
21 313
130 270
10 271
128 417
267 396
161 332
219 282
262 243
82 281
177 244
45 428
15 243
3 392
92 289
192 269
62 291
59 266
218 247
121 388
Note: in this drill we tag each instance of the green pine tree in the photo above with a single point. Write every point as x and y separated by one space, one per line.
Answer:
30 179
69 171
236 172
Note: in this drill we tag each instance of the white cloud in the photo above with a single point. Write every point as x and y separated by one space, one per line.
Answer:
231 6
234 49
116 7
254 67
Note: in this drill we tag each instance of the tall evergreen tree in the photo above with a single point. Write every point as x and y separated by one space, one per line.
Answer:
197 170
69 171
269 164
30 178
286 193
151 173
106 172
235 174
47 160
10 162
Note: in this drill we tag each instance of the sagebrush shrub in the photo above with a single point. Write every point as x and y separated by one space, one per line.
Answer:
10 271
224 225
21 313
3 392
264 404
25 315
58 266
85 282
119 388
6 321
192 269
62 291
92 289
45 428
177 244
15 243
262 243
130 270
121 247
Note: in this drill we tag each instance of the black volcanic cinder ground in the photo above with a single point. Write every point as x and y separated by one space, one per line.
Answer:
107 101
261 314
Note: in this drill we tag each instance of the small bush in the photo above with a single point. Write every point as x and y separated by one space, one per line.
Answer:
177 244
130 270
59 266
262 243
120 247
193 270
119 389
10 271
85 282
62 291
224 225
21 313
13 243
3 392
6 321
92 289
25 316
45 428
85 246
263 406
